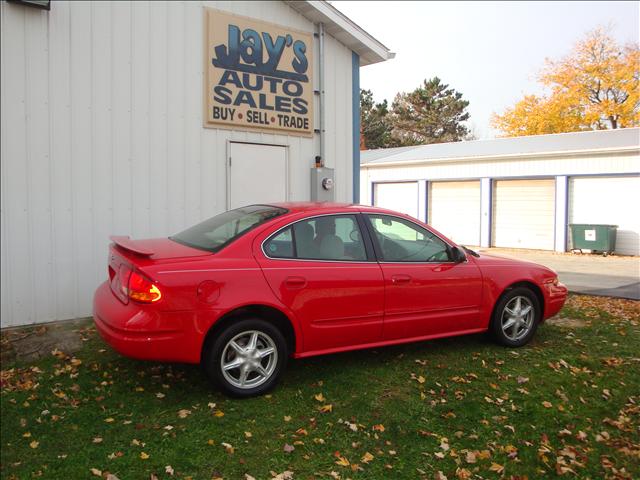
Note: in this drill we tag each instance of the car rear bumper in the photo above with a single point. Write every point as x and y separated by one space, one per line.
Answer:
143 333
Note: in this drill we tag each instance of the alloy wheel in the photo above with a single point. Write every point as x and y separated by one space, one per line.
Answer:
517 318
249 359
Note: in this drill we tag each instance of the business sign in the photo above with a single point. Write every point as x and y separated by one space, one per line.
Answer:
257 75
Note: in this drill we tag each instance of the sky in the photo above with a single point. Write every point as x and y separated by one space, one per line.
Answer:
491 52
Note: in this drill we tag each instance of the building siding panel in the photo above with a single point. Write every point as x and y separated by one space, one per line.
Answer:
102 134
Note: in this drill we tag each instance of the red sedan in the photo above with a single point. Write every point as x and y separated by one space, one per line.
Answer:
242 292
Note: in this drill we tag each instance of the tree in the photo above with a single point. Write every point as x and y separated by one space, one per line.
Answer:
432 113
375 122
595 87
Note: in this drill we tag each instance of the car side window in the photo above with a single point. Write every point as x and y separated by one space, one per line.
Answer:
403 241
330 237
280 246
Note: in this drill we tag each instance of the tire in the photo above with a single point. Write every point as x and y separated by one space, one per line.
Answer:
516 317
250 371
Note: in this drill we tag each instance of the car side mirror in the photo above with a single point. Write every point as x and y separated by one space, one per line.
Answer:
457 255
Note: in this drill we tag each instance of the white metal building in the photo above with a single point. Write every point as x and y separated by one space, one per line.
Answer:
514 192
142 118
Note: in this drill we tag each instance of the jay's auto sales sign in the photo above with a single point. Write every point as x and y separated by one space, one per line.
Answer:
258 75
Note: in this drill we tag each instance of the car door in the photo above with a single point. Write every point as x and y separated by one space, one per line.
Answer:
322 270
426 293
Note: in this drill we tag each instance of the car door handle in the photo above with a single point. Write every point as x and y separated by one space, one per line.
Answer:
400 279
295 282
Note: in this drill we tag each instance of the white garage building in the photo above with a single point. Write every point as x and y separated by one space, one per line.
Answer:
143 118
519 192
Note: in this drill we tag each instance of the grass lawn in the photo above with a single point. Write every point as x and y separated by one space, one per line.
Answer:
567 404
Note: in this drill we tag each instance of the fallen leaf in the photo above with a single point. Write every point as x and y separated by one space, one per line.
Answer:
319 397
228 447
287 418
326 408
378 428
96 472
184 413
286 475
546 404
463 473
288 448
496 467
342 461
248 434
144 455
168 469
366 458
34 444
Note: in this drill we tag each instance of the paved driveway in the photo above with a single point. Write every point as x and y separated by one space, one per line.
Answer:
611 276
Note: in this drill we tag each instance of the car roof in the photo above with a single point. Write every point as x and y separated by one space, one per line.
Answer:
320 207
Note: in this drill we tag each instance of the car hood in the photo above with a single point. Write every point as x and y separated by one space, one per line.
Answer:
492 260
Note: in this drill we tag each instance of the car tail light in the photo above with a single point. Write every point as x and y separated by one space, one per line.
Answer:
141 289
130 284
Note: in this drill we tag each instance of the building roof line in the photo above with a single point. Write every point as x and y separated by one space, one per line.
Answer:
535 145
509 156
338 25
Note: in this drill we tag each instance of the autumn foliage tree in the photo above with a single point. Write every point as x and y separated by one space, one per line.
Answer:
595 87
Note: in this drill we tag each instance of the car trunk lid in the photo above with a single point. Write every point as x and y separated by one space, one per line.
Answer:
155 248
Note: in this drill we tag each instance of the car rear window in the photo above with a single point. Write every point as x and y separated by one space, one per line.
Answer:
217 232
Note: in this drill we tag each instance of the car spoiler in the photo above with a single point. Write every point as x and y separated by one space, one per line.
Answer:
128 244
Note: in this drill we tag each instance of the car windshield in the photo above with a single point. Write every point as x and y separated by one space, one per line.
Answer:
217 232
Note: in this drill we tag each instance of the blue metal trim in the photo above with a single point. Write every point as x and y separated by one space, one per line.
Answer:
566 214
355 109
490 213
427 188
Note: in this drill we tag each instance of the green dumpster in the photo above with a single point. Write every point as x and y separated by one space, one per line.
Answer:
597 238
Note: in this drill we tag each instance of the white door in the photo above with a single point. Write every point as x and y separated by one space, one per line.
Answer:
524 214
401 197
257 174
454 210
608 201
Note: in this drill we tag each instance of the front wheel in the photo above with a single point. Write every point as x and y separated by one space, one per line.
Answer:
516 317
247 358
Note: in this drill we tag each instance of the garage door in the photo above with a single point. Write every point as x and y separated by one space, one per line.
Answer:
401 197
524 214
454 210
609 201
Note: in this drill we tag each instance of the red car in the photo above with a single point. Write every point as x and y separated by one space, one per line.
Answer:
242 292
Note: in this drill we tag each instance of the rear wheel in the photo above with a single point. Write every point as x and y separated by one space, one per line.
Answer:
247 358
516 317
